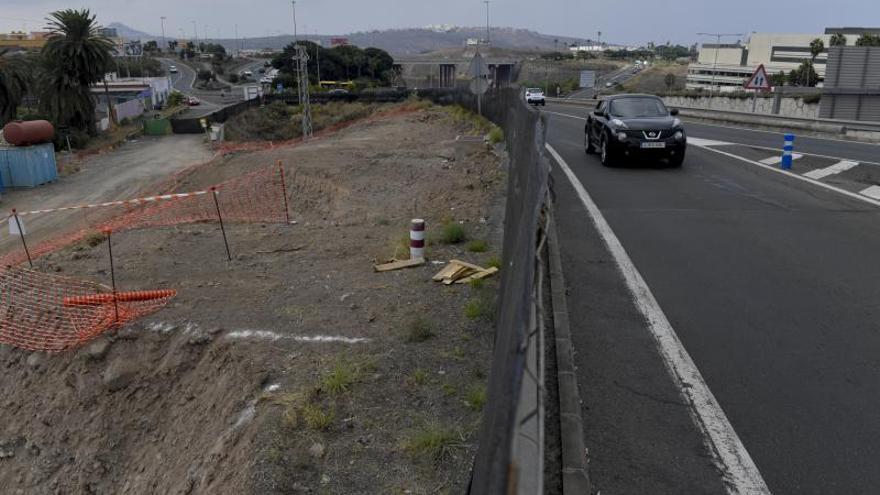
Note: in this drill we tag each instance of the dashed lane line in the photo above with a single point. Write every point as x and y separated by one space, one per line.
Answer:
738 470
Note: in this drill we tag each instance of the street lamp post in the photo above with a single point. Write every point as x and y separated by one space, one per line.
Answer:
164 42
718 37
195 34
293 5
487 20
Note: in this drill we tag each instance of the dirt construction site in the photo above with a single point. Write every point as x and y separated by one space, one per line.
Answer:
294 366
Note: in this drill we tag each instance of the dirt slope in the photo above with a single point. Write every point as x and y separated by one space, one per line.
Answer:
294 368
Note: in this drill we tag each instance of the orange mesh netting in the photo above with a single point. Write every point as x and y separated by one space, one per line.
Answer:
255 197
42 312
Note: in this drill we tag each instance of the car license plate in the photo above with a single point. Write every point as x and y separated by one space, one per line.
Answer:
653 145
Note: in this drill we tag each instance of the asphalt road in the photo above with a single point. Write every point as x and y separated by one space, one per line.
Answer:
770 283
183 82
619 76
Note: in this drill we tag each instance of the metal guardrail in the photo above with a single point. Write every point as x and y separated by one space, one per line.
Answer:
850 128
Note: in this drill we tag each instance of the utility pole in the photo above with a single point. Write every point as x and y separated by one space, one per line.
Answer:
302 64
318 56
487 20
205 26
293 4
718 37
164 42
195 34
237 45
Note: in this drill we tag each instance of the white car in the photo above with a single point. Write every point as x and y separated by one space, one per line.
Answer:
535 96
265 80
247 73
172 69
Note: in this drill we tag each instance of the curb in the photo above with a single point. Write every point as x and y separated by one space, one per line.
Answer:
575 477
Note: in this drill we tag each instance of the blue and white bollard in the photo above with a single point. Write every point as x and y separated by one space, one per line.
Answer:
787 150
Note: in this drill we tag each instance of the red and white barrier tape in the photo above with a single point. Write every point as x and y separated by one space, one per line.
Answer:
127 202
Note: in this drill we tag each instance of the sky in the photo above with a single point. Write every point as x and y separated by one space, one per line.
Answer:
621 21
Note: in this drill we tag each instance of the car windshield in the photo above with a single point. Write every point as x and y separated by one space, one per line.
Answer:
535 90
638 107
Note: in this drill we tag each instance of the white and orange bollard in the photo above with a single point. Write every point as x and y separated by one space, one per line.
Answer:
417 239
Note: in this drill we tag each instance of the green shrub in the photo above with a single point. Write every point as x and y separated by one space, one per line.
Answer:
475 398
496 135
340 379
419 329
494 262
431 443
478 307
453 233
316 418
477 246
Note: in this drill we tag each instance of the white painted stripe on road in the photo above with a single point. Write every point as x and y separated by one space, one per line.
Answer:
794 175
841 166
774 160
706 142
740 474
564 115
871 192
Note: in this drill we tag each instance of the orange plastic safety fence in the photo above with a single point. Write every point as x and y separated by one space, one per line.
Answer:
43 312
254 197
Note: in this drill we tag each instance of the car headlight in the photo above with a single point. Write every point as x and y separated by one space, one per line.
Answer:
619 123
679 136
621 136
676 122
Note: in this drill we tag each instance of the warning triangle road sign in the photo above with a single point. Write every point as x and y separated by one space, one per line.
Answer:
759 79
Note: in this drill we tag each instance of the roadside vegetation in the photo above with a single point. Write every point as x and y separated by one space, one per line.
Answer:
279 121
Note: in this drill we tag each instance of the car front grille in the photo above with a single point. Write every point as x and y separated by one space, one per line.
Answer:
649 135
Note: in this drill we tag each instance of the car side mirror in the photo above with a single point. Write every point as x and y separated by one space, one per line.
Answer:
598 113
673 111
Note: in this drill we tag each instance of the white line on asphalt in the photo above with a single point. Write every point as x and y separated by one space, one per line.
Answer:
871 192
739 471
706 142
841 166
793 175
773 160
564 115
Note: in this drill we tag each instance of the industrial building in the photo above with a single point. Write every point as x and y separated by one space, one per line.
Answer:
726 67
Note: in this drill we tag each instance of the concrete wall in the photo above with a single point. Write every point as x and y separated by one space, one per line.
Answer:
129 110
789 107
726 56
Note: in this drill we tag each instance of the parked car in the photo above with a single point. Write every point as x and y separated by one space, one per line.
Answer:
193 101
261 70
609 84
338 91
631 126
172 69
247 73
535 96
265 80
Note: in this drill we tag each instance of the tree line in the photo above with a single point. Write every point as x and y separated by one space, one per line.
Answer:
342 63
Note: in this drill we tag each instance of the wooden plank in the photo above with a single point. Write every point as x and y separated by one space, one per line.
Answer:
469 265
447 271
397 265
488 272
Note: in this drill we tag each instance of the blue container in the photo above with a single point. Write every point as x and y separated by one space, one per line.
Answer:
28 166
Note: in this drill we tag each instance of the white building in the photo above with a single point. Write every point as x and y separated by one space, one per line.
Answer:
728 66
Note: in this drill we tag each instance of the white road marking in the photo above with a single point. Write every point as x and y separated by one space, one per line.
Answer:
773 160
871 192
564 115
706 142
841 166
739 471
795 176
697 121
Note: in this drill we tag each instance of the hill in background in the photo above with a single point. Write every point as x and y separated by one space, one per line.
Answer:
397 41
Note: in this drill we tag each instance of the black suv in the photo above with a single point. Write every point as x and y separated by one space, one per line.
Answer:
630 126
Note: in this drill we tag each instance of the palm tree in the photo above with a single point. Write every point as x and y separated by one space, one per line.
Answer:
77 55
837 39
15 79
817 46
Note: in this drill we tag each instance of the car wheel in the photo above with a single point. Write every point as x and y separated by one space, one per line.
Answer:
588 144
677 160
605 153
